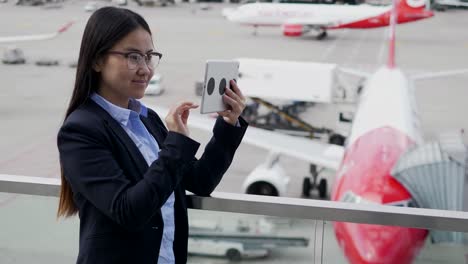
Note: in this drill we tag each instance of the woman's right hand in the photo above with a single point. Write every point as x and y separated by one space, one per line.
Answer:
177 117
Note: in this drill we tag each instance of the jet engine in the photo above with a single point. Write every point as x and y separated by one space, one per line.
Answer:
268 178
294 30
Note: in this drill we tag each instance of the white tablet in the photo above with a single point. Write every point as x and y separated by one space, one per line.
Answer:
218 74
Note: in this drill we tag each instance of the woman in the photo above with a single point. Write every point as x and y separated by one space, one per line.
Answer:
122 171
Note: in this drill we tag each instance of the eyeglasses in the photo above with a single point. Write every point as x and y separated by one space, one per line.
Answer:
136 59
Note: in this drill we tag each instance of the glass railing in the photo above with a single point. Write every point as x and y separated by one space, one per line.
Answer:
30 232
241 228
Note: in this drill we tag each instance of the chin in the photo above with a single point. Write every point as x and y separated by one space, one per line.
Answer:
138 95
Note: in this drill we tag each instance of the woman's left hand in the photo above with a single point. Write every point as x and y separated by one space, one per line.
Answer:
236 103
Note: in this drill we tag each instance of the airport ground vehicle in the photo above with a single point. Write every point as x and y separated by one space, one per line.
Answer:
442 5
237 238
238 246
232 250
47 62
156 85
154 2
13 56
91 6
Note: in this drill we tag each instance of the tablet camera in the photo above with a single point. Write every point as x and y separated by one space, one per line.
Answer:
211 86
222 86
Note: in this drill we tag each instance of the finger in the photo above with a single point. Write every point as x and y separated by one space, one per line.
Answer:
235 105
188 106
184 103
186 112
236 97
233 95
185 107
236 89
225 113
176 107
185 116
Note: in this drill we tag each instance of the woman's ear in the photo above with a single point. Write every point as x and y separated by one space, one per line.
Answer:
97 65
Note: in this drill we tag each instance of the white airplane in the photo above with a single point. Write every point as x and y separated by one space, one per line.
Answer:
299 19
34 37
13 55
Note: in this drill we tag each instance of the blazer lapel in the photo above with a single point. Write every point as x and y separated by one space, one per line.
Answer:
120 133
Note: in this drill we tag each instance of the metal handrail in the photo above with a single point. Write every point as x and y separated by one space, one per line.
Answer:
282 207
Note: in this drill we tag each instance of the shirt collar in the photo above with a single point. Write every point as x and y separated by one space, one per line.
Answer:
120 114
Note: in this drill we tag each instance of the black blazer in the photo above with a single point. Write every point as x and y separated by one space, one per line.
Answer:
119 197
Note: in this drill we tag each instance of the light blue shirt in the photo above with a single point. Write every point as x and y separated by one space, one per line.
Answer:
130 121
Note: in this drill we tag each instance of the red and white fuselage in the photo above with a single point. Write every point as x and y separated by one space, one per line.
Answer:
299 18
272 14
385 126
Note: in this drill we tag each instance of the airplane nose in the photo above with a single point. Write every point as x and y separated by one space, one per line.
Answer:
373 244
232 17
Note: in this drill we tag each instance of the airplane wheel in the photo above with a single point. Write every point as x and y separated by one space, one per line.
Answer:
233 255
306 186
322 35
322 188
337 139
262 188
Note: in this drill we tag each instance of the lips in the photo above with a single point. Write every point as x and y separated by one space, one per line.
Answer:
140 82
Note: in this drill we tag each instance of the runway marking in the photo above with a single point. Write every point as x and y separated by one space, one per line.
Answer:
332 46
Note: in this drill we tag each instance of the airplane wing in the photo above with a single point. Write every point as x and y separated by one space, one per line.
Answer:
309 150
37 36
287 80
356 73
442 74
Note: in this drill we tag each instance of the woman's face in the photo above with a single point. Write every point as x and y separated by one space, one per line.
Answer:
119 81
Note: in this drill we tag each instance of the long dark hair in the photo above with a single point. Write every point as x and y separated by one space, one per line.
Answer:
106 27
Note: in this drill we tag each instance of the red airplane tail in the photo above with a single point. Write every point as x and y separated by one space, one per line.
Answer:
412 10
411 5
404 11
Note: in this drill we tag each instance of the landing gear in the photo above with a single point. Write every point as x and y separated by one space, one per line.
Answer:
255 30
234 255
310 183
337 139
322 188
306 187
322 34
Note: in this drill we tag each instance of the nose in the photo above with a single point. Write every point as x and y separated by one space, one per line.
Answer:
144 69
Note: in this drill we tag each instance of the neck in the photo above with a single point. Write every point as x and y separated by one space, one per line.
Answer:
114 98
